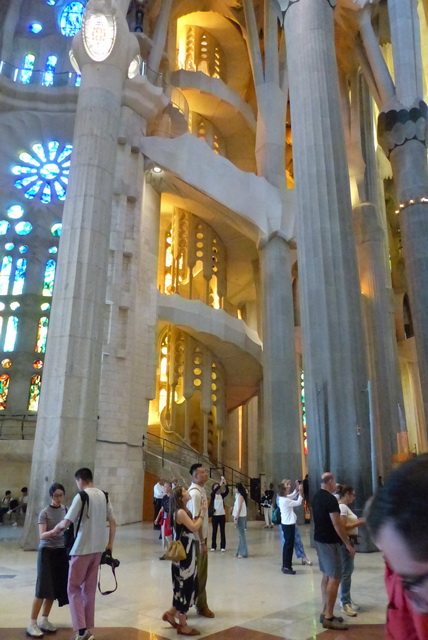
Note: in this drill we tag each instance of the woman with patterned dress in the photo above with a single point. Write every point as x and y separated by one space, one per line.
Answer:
184 573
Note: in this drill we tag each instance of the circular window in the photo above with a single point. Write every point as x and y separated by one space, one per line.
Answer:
23 248
38 364
53 249
49 171
71 19
56 230
14 306
9 246
23 228
6 363
15 211
45 306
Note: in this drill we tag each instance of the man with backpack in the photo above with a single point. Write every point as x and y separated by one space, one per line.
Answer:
89 512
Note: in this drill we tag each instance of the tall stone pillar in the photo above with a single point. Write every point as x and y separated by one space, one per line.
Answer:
67 420
280 390
403 135
332 337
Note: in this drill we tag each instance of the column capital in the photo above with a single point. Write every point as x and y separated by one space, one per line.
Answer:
398 126
286 4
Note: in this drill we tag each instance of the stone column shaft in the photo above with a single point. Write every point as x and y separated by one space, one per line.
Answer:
332 338
281 414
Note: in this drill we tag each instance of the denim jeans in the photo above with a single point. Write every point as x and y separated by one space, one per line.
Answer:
242 545
298 544
347 569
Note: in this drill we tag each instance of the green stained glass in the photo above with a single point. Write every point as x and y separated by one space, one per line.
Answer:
4 390
33 401
49 280
4 227
56 230
42 335
5 271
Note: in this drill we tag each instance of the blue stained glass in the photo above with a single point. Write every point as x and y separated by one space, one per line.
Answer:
64 154
4 227
14 306
17 170
23 248
71 19
27 71
35 27
49 71
34 190
56 229
25 182
5 271
25 157
53 249
51 2
23 228
78 80
49 171
11 332
9 246
46 193
18 283
49 280
15 211
39 151
60 191
53 148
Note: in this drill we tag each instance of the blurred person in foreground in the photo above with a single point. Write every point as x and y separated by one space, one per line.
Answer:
398 521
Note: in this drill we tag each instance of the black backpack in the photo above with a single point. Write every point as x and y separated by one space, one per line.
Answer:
70 534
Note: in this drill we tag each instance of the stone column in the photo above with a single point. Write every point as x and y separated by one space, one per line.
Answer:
67 421
402 132
332 337
281 414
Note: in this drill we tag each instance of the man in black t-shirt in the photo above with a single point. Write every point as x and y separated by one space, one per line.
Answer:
329 534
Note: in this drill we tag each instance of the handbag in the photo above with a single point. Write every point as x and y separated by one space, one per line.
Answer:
176 551
276 515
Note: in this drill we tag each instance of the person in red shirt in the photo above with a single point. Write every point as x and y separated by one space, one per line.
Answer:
398 522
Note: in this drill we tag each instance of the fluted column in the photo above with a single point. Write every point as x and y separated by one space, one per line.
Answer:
332 337
280 390
67 420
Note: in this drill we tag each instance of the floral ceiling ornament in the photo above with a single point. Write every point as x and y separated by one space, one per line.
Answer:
45 171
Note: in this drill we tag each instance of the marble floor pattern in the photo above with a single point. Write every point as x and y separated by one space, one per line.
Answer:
251 598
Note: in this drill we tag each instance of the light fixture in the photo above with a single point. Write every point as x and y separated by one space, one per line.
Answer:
157 169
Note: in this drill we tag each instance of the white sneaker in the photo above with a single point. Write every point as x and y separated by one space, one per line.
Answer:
356 607
212 549
48 627
33 631
349 610
223 550
86 636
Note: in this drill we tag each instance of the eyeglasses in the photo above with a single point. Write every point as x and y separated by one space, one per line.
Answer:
411 584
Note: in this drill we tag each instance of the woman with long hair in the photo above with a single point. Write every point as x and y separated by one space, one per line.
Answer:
217 512
184 573
240 516
287 504
52 564
351 522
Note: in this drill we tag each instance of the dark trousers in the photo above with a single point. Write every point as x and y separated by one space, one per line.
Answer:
219 520
157 502
287 550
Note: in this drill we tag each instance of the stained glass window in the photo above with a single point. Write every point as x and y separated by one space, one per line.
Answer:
9 246
49 280
6 363
48 75
45 172
38 364
23 248
53 249
4 227
56 230
28 67
23 228
42 334
14 306
11 332
15 212
18 283
5 271
45 306
35 27
4 390
71 19
33 401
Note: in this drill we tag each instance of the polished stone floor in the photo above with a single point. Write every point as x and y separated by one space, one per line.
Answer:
251 598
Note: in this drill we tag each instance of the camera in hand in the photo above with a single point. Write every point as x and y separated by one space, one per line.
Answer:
107 558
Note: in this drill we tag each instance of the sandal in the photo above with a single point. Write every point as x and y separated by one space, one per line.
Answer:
168 617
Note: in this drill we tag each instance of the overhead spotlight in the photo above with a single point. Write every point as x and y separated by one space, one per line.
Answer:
157 169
